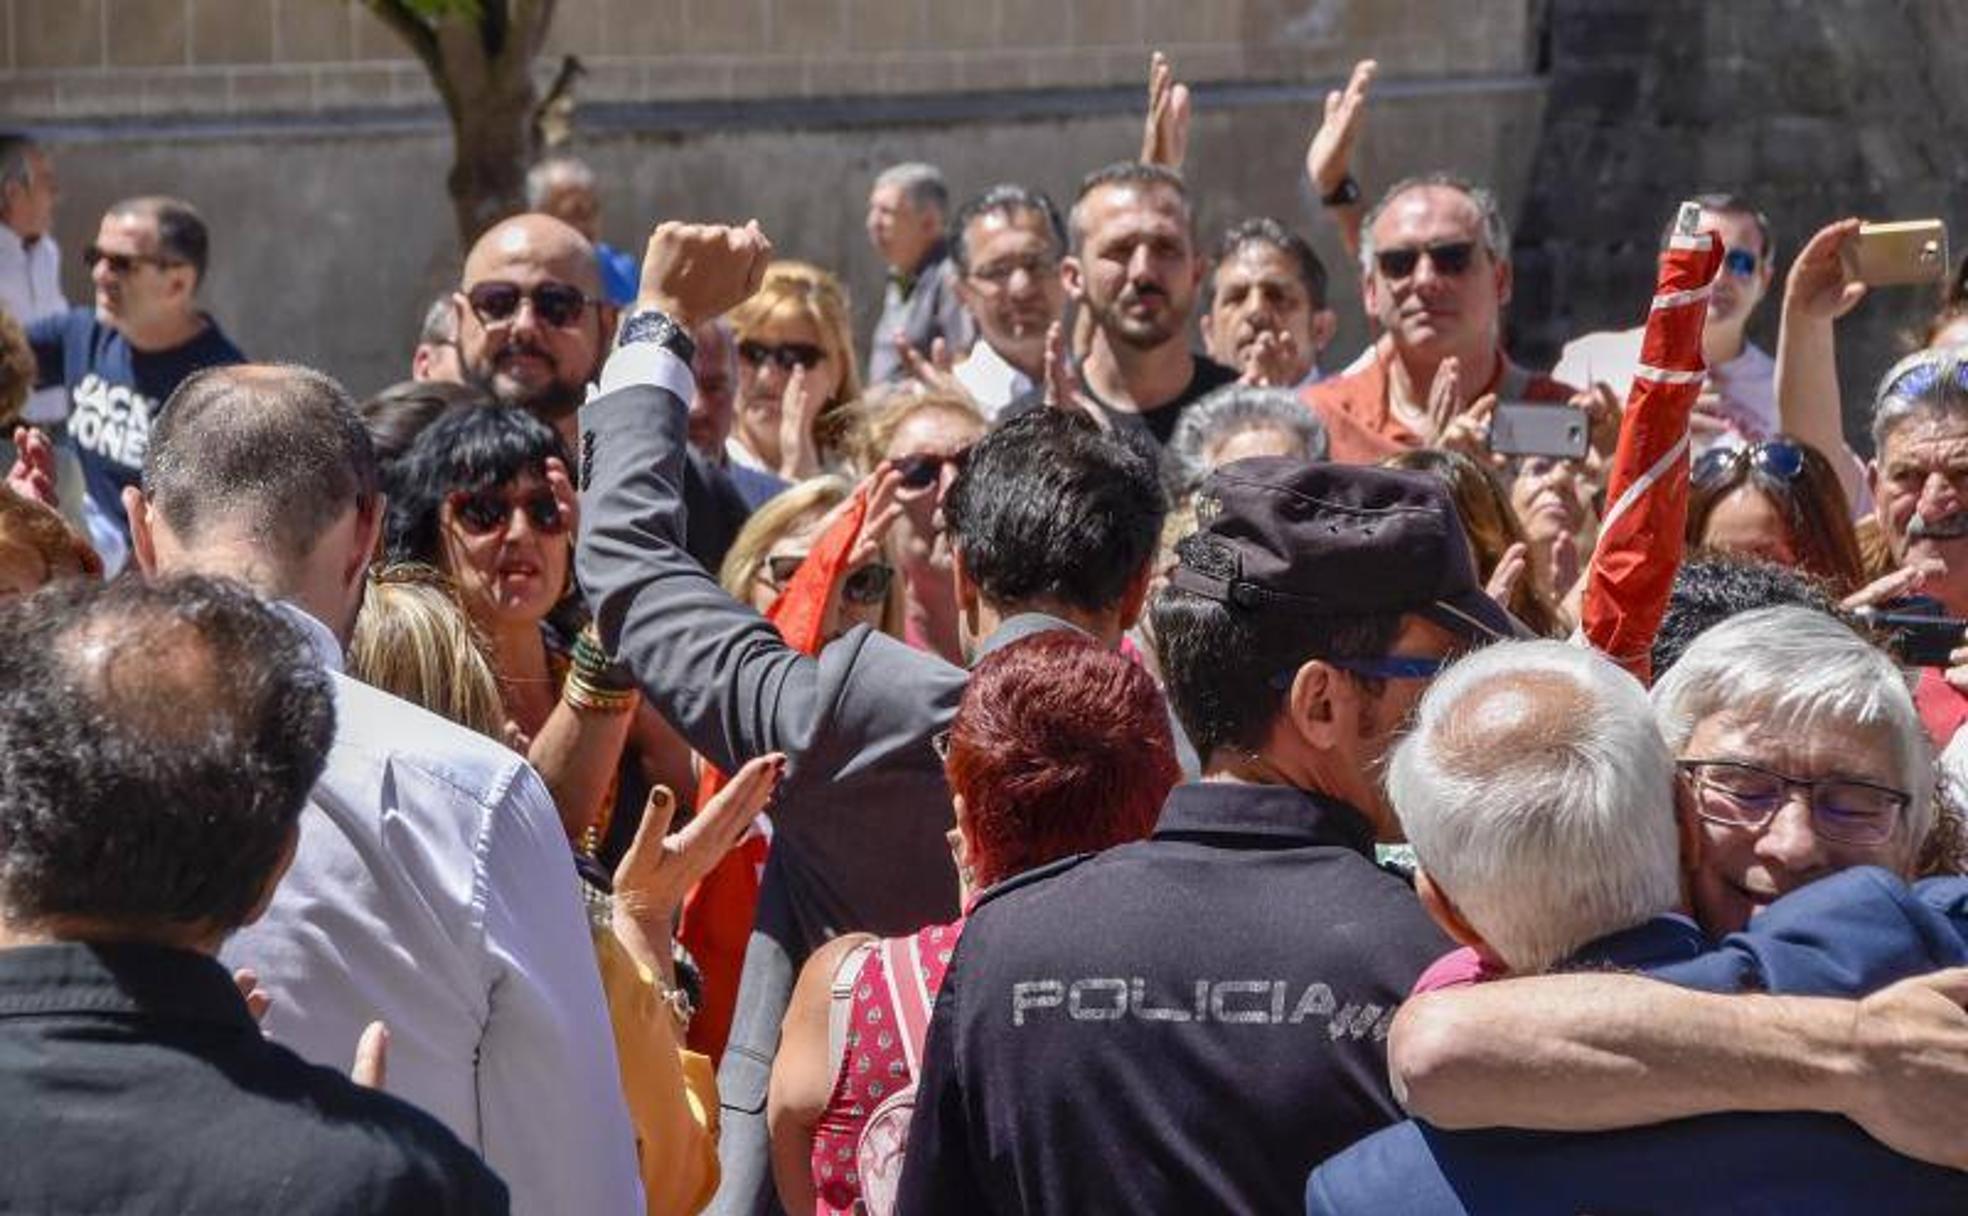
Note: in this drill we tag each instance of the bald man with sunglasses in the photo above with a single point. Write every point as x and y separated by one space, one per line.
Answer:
1435 275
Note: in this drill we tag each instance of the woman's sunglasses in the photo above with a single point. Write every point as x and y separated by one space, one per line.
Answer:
788 355
920 470
556 304
1778 459
868 585
483 512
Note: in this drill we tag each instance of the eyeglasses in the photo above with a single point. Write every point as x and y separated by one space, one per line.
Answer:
921 469
121 264
997 274
483 512
1740 262
1742 795
557 304
1384 667
788 355
1448 258
1778 459
868 585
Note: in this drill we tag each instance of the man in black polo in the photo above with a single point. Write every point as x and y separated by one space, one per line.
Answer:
1192 1022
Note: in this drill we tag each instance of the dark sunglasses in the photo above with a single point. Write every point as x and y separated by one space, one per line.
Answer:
121 264
483 512
921 470
556 304
868 585
1779 459
1924 377
1449 258
1740 262
788 355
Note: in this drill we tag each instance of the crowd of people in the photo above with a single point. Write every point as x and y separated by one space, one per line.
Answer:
1095 748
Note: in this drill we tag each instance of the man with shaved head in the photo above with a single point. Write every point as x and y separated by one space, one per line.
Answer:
532 322
432 887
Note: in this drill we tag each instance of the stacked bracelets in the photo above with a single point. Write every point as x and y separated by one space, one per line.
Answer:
596 682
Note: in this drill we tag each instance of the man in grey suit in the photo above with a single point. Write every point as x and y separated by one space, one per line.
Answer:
1053 526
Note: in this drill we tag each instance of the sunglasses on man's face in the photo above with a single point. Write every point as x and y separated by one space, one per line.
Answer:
868 585
483 512
921 470
121 264
557 304
788 355
1448 258
1740 262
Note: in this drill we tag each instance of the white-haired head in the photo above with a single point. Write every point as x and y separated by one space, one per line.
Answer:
1796 672
1539 798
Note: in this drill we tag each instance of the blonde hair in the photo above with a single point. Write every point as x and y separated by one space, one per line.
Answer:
887 417
17 370
413 640
784 513
803 290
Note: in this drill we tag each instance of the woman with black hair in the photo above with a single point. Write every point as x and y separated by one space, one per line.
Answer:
484 495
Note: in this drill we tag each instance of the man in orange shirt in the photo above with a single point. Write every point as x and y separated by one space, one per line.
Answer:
1435 274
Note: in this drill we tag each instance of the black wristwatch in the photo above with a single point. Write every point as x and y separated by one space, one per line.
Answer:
1345 194
649 325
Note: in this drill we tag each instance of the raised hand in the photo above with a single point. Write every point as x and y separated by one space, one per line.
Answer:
561 485
33 473
1468 431
660 866
1062 383
1907 580
1818 288
934 371
693 272
799 406
1165 136
1270 360
1329 157
1510 571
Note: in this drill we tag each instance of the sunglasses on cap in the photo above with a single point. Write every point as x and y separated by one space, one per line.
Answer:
868 585
557 304
920 471
1923 375
1448 258
788 355
1778 459
1740 262
121 264
483 512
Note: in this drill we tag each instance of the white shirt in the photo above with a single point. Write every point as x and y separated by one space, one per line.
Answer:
30 289
1747 383
433 889
990 379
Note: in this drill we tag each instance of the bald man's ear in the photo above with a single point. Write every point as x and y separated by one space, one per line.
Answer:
1442 910
143 545
1317 702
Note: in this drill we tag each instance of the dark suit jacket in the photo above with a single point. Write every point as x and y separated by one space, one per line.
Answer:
1844 935
132 1079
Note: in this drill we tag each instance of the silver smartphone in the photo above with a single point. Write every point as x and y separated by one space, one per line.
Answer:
1528 428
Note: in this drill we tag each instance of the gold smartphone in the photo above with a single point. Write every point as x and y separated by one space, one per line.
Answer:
1908 251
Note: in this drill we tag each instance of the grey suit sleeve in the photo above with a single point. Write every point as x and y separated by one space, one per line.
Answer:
716 669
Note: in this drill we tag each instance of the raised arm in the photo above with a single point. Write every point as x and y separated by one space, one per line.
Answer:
1816 294
1591 1052
1329 157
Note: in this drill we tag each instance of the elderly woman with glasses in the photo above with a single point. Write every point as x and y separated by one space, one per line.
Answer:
1777 501
484 496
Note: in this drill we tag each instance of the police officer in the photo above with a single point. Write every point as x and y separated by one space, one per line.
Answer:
1192 1022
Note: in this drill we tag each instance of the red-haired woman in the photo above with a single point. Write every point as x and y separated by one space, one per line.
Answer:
1058 747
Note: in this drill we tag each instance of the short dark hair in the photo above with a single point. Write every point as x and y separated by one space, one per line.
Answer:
1263 230
395 416
1049 509
1727 202
157 743
1132 173
273 446
181 232
469 448
1219 663
1009 200
1709 588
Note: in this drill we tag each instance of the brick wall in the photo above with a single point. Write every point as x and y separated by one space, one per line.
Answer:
89 59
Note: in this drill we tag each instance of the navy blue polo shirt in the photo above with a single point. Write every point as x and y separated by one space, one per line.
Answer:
1185 1023
117 392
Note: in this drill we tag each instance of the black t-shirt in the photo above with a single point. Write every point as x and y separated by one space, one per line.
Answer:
1155 426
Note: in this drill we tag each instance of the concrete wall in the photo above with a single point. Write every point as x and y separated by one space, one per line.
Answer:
332 231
